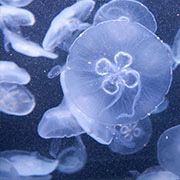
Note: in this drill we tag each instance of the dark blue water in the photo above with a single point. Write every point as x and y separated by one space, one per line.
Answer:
21 132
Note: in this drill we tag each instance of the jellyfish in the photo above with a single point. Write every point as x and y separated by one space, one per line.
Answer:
26 47
67 23
12 18
16 99
162 107
132 137
16 3
29 163
128 10
59 122
157 173
54 147
72 159
116 73
169 150
7 172
176 49
54 72
10 72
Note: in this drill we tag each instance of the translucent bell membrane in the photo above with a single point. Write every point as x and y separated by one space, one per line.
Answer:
16 3
129 10
67 25
30 163
131 138
13 17
169 150
58 122
140 82
16 99
12 73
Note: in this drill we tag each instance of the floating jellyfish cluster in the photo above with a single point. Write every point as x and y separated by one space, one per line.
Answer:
117 73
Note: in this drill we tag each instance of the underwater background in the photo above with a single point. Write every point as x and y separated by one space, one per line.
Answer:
20 133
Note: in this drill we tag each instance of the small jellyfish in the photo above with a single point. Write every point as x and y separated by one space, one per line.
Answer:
29 163
66 23
12 18
24 46
10 72
157 173
116 73
72 159
132 137
169 150
162 107
16 3
16 99
59 122
54 72
128 10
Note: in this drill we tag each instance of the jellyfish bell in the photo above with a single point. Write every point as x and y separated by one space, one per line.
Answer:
29 163
168 150
12 18
128 10
67 25
10 72
73 158
116 73
131 138
16 99
16 3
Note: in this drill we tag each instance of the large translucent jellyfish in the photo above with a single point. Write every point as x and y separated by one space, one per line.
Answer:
72 159
66 23
59 122
16 99
162 107
157 173
116 73
26 47
169 150
176 49
30 163
129 10
10 72
12 18
16 3
131 138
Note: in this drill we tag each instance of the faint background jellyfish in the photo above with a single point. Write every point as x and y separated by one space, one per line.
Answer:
131 138
72 159
16 3
169 150
16 99
10 72
13 18
67 25
157 173
122 73
26 47
128 10
8 171
29 163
